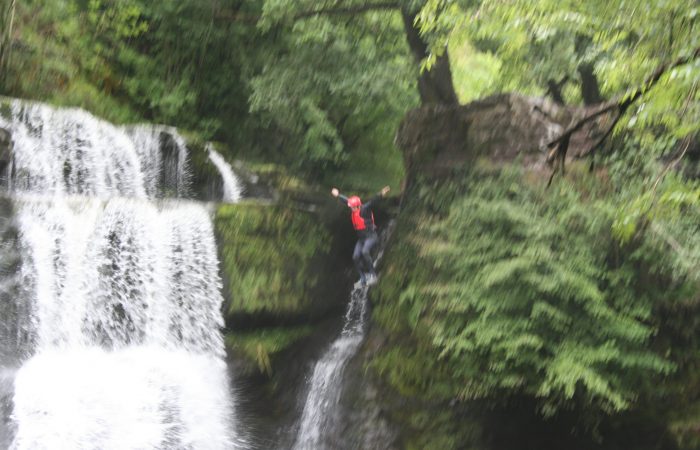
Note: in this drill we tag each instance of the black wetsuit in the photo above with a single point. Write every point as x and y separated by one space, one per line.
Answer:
366 237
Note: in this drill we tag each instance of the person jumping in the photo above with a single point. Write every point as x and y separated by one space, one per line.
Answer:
363 222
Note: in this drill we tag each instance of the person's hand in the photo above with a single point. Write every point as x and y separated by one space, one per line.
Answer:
385 190
334 192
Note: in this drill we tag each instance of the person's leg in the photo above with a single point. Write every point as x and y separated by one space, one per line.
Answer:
367 245
357 258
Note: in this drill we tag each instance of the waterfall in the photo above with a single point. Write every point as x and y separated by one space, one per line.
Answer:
110 309
232 187
326 381
163 155
69 151
320 415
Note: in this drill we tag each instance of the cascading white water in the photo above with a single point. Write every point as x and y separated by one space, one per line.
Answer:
168 173
69 151
232 187
326 381
320 415
122 292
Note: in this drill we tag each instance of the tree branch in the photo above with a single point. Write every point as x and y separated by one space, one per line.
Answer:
619 105
623 103
554 89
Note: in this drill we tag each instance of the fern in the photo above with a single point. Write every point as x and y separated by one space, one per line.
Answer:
522 292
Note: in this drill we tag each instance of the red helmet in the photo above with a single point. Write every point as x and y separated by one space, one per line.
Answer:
354 201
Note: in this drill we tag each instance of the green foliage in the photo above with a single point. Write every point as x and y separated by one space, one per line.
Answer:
438 429
307 93
7 12
670 205
56 60
655 203
121 21
542 41
475 74
335 86
261 346
512 290
270 257
131 60
370 170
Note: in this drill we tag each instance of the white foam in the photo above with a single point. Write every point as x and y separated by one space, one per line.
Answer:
134 398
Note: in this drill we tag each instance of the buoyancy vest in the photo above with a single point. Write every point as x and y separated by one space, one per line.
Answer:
360 223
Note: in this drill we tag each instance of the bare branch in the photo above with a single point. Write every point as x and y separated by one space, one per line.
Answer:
623 103
620 105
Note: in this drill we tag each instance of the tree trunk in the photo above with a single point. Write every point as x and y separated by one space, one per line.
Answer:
590 91
7 15
554 89
435 85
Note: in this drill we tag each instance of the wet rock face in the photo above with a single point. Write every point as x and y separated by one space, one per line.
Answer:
365 413
5 144
169 179
5 155
438 138
5 139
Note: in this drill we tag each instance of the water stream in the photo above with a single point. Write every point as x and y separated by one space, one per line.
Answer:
321 414
320 410
232 187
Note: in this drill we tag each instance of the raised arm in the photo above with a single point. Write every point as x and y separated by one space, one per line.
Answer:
369 203
343 199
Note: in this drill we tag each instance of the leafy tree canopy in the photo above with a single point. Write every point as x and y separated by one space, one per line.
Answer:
269 78
608 47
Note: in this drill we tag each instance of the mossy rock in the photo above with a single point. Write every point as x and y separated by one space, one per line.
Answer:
5 108
205 180
259 347
276 260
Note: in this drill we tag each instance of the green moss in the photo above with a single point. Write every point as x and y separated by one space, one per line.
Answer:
260 346
83 94
272 257
5 109
278 176
434 428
